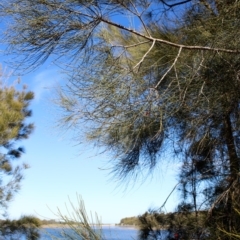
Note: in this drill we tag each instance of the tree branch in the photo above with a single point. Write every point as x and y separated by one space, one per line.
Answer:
176 45
169 69
175 4
139 63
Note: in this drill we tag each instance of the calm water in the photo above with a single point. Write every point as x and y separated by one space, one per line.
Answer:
110 233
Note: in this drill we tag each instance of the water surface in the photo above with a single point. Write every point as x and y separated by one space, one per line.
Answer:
110 233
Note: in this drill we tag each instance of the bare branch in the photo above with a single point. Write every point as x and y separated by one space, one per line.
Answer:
175 4
182 46
132 45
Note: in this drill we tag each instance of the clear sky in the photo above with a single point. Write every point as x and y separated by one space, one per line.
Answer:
60 169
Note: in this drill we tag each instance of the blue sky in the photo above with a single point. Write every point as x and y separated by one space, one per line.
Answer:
61 169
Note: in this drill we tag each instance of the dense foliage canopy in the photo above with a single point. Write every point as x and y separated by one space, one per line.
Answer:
146 78
13 128
25 226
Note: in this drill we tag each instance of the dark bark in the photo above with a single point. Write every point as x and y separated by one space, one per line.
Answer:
232 153
234 170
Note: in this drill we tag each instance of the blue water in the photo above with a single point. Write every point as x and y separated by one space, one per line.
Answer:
110 233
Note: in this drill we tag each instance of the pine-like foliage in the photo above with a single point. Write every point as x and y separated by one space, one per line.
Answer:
25 226
146 78
14 109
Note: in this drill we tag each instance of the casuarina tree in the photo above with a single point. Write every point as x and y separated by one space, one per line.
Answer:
147 78
14 127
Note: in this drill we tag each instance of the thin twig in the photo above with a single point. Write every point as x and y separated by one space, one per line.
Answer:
130 46
169 196
169 69
144 56
140 18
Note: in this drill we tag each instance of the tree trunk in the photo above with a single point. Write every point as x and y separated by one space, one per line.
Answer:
234 170
233 158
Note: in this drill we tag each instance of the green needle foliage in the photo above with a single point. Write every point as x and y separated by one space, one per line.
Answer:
14 108
15 229
148 78
14 127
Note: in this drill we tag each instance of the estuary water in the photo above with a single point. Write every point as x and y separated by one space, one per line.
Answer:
110 233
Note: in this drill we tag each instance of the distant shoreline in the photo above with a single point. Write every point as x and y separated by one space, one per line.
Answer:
54 225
